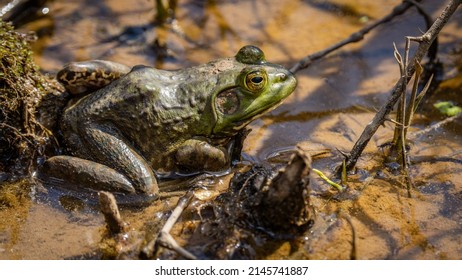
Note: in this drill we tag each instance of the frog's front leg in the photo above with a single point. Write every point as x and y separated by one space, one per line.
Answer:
196 155
86 76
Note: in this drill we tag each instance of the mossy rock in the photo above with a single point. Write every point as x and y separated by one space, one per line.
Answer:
30 103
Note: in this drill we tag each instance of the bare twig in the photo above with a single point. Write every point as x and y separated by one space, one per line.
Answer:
428 21
165 239
412 101
355 37
424 44
401 112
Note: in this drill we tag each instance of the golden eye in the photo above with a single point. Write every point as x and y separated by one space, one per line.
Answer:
255 81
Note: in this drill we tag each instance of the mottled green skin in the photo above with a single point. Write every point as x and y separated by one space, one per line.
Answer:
168 121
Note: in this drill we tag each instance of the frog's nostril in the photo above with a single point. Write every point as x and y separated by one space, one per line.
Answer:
282 77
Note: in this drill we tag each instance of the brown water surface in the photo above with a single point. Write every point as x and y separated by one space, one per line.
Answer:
335 98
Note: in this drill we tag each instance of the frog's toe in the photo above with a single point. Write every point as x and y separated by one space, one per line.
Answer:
86 173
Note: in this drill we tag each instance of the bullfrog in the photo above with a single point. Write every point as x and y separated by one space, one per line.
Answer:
125 127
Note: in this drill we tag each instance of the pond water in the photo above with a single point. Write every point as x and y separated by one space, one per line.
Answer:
335 98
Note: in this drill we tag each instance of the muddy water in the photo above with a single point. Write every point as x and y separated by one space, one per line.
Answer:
335 99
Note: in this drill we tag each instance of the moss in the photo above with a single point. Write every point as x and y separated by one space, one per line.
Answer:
14 208
23 89
108 248
14 194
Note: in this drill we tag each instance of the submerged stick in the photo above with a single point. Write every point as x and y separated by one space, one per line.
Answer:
110 210
435 126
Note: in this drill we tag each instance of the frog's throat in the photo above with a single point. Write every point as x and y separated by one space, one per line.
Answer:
248 118
235 126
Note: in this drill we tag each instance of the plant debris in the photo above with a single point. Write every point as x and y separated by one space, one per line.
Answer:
29 105
262 209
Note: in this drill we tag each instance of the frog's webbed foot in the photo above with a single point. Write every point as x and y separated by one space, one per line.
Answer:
87 76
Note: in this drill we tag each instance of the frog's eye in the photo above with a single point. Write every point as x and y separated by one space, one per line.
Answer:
255 81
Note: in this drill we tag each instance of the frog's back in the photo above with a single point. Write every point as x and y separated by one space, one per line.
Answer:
149 107
125 95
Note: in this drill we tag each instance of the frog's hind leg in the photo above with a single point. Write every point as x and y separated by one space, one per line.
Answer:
74 172
87 76
105 147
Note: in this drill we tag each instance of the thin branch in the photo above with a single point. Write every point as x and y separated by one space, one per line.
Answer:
424 44
355 37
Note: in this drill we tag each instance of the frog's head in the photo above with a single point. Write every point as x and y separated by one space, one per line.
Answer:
258 87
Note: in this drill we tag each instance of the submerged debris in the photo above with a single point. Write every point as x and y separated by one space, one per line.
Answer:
15 205
279 204
14 195
261 210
